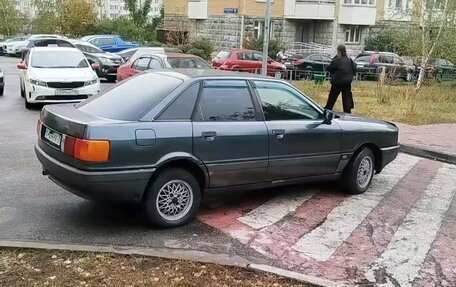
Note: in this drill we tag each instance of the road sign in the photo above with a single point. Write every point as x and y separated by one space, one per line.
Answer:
230 10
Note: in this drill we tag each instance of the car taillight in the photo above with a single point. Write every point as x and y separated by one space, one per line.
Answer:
86 150
372 59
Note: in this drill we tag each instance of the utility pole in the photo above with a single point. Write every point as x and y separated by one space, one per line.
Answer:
267 22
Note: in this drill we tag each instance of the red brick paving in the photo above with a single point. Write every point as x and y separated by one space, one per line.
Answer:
438 138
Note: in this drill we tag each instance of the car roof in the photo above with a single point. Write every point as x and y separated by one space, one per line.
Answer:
76 41
55 49
207 73
179 55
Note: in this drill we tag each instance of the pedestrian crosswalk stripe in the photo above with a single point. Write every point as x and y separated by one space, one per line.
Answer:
406 252
275 209
323 241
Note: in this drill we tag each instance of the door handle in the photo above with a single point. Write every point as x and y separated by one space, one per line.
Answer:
279 134
209 136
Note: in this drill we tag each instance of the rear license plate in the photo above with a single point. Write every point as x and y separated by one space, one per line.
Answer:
66 92
52 137
287 63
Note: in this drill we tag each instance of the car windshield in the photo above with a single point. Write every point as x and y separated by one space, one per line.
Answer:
130 100
193 63
223 55
88 49
58 59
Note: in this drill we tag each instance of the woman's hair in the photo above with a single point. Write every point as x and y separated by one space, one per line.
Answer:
341 51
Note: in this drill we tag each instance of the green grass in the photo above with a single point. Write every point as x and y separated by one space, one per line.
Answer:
435 103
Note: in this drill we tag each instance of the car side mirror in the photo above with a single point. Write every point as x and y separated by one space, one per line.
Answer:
328 116
21 66
95 66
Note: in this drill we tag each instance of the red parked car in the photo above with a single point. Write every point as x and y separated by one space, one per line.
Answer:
247 61
147 61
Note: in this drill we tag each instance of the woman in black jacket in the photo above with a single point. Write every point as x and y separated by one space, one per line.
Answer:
342 70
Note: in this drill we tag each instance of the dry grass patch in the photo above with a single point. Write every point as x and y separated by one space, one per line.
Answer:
64 268
435 104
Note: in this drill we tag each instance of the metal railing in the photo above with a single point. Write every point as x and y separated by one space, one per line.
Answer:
315 48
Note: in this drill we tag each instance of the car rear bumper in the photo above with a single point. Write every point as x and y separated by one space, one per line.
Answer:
387 155
118 185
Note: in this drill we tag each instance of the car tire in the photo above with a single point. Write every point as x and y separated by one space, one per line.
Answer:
28 105
163 186
358 175
22 91
111 79
1 91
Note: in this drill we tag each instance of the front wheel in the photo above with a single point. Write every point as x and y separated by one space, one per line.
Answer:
1 91
173 198
358 175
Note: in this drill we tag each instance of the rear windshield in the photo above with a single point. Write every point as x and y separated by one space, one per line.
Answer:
192 63
132 98
223 55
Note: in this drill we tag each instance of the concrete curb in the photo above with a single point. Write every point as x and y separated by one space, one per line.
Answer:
179 254
435 155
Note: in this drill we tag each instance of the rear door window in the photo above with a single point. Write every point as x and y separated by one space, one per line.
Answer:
106 41
225 100
182 107
141 64
132 99
223 55
155 63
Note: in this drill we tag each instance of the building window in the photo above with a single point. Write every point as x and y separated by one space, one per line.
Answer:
395 3
353 35
259 29
360 2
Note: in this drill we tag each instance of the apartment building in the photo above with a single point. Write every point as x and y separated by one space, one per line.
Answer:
232 23
117 8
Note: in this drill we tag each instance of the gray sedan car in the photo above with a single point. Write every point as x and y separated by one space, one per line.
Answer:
164 138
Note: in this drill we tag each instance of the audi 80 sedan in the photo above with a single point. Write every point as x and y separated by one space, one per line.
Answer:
162 138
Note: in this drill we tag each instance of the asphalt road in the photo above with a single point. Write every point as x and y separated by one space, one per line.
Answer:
32 208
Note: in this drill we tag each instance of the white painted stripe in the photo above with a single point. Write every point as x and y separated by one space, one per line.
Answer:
275 209
407 250
323 241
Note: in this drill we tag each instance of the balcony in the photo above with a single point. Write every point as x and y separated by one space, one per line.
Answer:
357 12
197 9
309 9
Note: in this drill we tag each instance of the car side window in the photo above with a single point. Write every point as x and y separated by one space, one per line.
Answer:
155 64
257 57
107 41
141 64
315 58
95 42
182 107
281 102
398 60
225 101
248 56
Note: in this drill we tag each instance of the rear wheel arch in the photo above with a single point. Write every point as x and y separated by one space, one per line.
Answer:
188 164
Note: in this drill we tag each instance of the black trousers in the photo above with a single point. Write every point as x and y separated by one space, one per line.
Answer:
347 97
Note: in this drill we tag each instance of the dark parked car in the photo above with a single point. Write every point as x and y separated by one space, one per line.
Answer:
163 138
108 62
247 61
369 65
305 65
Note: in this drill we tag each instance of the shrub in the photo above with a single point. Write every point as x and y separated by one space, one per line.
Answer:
274 47
201 47
125 28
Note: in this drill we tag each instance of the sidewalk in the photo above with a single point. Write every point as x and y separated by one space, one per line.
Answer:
432 141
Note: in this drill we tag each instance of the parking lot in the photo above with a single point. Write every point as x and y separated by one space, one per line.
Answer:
401 232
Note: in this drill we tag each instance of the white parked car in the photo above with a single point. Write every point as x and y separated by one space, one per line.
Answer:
14 48
55 75
2 82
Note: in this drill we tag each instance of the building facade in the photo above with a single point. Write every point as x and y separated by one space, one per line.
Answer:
233 23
